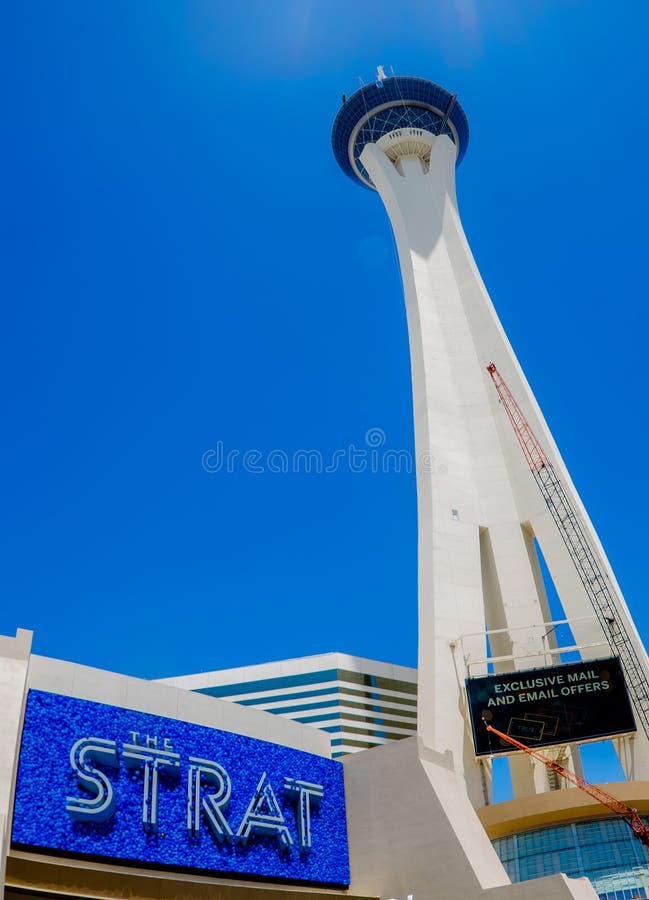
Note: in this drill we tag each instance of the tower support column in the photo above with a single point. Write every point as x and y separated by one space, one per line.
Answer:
484 508
475 569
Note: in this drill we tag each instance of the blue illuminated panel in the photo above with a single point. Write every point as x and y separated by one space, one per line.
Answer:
107 782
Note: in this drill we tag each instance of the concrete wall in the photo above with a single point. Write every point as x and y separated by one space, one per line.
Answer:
413 832
14 663
559 807
165 700
89 879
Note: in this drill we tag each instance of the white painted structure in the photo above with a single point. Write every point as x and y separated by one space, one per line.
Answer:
401 840
360 703
479 508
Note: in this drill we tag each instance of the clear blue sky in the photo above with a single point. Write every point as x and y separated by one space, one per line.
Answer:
185 264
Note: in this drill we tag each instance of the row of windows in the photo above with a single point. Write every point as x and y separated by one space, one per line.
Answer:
633 893
340 709
268 684
328 696
335 704
348 742
321 692
623 885
598 850
388 684
378 731
563 836
349 717
294 695
405 91
390 119
305 678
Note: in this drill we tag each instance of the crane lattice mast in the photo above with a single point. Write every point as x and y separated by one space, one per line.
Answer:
595 582
631 817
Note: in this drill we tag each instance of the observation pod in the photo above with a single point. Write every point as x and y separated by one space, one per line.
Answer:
482 520
402 115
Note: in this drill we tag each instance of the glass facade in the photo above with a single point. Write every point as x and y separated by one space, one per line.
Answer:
382 107
605 851
389 120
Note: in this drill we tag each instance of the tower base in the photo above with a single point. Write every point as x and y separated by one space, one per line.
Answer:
412 831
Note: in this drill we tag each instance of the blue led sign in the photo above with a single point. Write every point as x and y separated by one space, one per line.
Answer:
109 782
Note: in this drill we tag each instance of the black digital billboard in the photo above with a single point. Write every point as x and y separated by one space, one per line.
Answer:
556 705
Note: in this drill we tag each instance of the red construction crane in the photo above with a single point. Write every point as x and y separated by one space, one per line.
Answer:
630 816
596 582
534 454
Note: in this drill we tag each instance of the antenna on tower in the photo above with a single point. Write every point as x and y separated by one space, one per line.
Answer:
380 74
361 82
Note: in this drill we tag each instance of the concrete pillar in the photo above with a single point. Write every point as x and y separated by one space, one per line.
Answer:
478 504
14 663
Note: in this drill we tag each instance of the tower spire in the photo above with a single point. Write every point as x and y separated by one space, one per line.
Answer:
481 516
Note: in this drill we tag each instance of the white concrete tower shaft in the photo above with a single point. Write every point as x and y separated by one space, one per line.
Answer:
480 512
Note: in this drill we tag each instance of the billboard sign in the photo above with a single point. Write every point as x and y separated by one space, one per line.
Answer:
102 781
556 705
